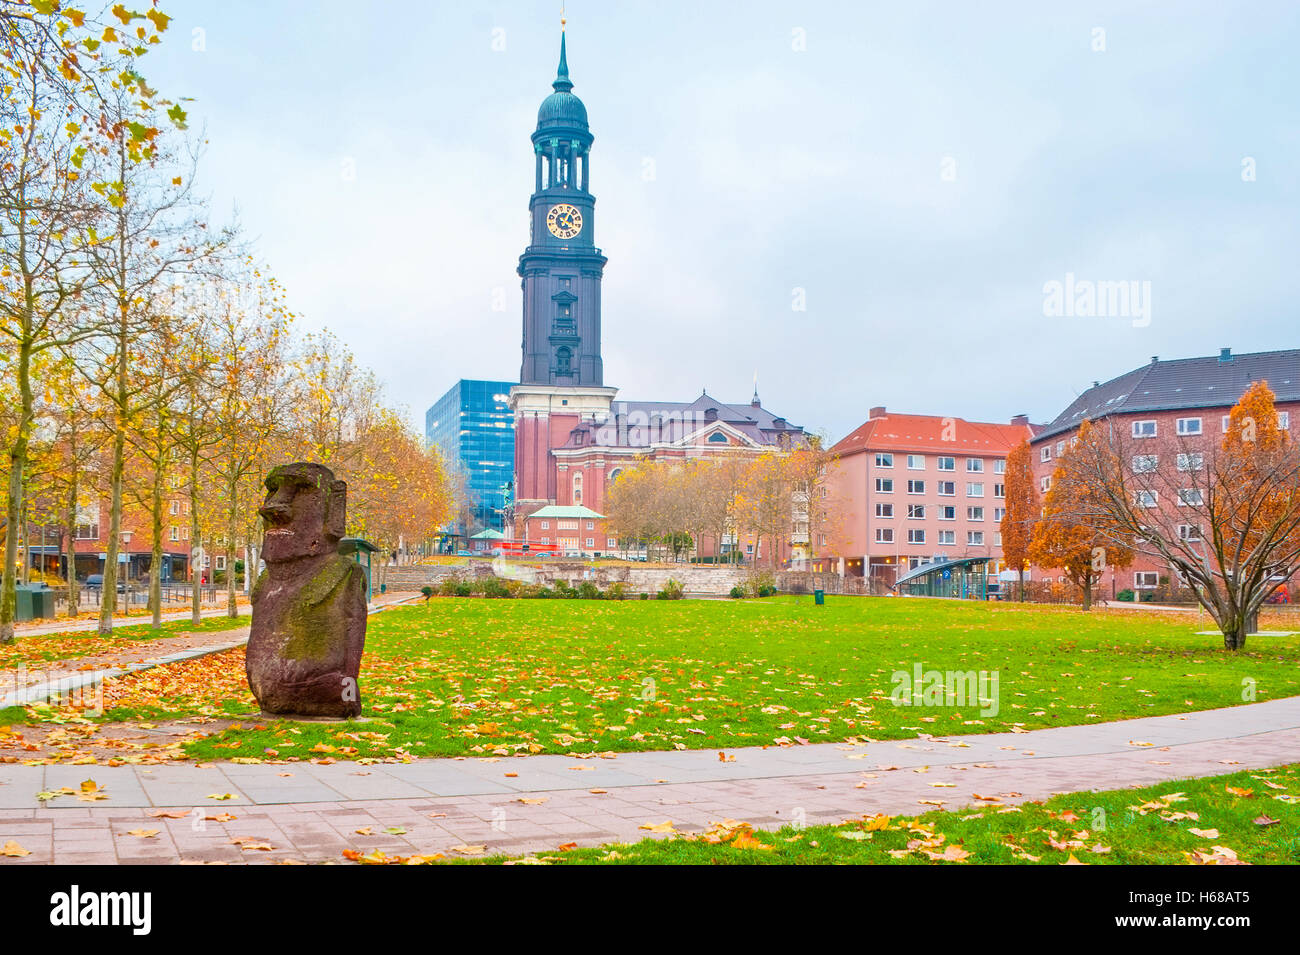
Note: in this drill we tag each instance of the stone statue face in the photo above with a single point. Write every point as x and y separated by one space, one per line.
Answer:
304 512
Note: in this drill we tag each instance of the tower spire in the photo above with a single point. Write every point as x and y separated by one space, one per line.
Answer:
562 82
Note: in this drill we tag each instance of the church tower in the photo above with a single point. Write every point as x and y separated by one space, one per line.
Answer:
561 378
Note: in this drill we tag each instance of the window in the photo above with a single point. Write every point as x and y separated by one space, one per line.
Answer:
577 488
718 438
546 525
1284 420
1189 425
916 462
1145 463
611 543
175 533
884 510
947 464
591 542
591 525
999 513
563 361
1190 533
947 488
974 489
546 540
176 507
974 513
1044 484
1045 453
915 487
1193 461
87 532
916 512
1146 498
1060 447
1000 466
947 537
916 536
221 562
999 490
1190 497
974 464
884 485
884 535
1144 429
975 538
947 512
1146 580
884 460
1227 423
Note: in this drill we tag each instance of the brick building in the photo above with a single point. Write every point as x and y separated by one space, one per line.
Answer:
1172 408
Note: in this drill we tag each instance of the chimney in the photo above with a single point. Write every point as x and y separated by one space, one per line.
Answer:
1021 421
1225 354
1154 359
876 413
778 423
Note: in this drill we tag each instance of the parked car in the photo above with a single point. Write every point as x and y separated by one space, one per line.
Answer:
96 582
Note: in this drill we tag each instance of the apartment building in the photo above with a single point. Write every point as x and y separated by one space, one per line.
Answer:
1169 412
909 490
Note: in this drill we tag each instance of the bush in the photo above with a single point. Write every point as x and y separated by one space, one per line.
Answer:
617 591
761 584
672 591
428 592
645 596
495 587
1125 595
463 588
766 590
587 590
737 592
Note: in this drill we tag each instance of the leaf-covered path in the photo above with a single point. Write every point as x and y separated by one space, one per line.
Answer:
314 812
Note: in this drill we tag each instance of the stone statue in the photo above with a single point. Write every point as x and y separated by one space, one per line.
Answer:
309 606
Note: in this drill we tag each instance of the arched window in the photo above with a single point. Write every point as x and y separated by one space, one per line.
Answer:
563 361
613 476
577 488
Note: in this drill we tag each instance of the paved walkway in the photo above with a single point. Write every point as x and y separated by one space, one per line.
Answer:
140 619
311 812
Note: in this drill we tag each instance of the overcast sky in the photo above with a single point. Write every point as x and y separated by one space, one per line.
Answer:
919 170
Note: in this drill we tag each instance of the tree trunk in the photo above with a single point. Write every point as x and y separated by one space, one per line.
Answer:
1087 593
155 557
232 606
1234 635
1252 625
196 607
71 529
108 594
1020 587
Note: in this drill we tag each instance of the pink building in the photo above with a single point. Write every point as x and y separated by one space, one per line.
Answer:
909 490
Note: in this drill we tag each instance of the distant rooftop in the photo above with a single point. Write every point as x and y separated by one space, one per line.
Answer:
890 431
1215 381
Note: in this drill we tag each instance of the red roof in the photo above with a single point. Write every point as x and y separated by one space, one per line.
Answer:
917 432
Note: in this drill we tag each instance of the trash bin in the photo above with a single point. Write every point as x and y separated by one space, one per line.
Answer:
42 602
24 609
819 597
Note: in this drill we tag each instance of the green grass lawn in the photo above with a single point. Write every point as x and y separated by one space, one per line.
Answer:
471 676
1254 816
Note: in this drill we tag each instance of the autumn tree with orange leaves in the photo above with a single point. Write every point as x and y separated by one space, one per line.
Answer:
1022 511
1075 534
1224 516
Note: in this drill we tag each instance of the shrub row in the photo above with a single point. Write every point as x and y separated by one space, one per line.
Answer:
586 590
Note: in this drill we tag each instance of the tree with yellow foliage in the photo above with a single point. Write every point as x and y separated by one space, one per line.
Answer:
1023 509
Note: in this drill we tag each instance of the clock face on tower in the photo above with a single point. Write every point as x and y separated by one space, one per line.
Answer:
564 221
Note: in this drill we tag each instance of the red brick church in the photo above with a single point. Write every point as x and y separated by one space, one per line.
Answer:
572 437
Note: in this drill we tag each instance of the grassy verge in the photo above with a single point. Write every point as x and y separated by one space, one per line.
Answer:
1246 817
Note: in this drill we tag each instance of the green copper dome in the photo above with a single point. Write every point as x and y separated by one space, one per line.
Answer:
562 109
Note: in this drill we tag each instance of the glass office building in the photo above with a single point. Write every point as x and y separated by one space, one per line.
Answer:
474 429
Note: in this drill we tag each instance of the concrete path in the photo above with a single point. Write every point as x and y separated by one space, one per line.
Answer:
141 619
311 812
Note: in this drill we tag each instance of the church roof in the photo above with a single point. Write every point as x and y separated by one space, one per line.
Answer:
566 511
644 423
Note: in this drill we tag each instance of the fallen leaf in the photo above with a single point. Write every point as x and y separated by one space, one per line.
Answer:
14 850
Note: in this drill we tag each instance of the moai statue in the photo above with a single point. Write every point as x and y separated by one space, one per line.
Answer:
309 605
